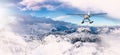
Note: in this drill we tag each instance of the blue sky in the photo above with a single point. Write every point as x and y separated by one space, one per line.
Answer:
55 9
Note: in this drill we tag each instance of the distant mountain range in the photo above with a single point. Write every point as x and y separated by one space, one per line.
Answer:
32 28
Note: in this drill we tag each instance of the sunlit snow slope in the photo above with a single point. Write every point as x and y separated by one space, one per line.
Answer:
43 36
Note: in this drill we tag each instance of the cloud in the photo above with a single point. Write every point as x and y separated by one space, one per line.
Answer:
31 2
9 41
35 5
109 6
61 44
60 17
5 15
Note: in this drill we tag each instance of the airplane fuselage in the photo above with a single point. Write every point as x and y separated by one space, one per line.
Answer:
86 16
86 19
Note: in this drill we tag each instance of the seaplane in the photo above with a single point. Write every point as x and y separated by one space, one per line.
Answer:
87 16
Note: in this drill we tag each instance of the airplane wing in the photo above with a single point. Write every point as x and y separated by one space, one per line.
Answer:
76 14
98 14
92 14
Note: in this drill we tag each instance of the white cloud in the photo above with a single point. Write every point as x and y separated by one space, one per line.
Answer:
50 7
60 17
11 44
53 45
5 15
31 2
36 5
110 6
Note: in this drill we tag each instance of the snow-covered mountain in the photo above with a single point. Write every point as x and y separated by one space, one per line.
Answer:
36 28
44 36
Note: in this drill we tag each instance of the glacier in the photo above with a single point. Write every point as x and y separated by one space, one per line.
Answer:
44 36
